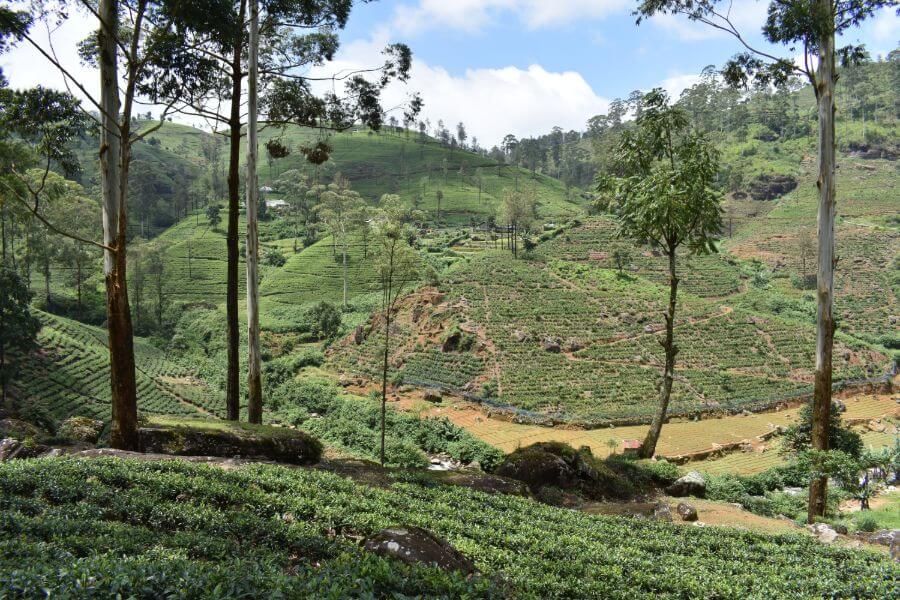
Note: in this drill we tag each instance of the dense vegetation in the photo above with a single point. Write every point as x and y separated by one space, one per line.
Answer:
100 527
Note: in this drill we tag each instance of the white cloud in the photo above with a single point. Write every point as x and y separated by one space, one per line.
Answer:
885 31
474 15
490 101
676 84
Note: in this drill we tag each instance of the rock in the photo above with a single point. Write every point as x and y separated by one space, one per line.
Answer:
691 484
359 335
839 406
11 448
552 346
19 430
520 336
648 328
769 187
889 538
686 511
432 396
81 429
823 532
281 445
537 469
841 529
793 491
490 484
661 512
573 346
414 545
451 343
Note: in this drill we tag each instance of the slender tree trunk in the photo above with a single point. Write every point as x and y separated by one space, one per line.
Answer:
648 448
47 280
344 261
254 378
384 369
232 378
825 325
78 284
114 178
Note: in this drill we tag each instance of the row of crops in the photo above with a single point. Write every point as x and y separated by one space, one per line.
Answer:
581 341
105 528
69 375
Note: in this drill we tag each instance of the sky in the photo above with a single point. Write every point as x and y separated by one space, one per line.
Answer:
509 66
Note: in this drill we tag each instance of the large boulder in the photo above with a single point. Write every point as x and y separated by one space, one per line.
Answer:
537 468
80 429
769 187
207 438
889 538
414 545
557 465
691 484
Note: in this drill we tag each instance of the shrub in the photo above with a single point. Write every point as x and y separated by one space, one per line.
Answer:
274 258
867 523
324 320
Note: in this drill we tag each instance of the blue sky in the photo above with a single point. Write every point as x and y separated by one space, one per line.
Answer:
462 46
511 66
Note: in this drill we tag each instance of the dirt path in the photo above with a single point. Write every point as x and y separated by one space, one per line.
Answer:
678 437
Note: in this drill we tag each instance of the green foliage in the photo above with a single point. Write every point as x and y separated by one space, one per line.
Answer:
798 436
18 327
324 320
100 527
352 424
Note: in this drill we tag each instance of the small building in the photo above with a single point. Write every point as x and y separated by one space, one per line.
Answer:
266 189
631 447
276 203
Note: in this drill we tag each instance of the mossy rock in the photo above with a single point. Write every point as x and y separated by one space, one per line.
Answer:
220 438
558 465
80 429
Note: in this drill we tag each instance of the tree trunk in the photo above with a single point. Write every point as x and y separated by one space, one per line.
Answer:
47 280
232 377
648 448
114 177
825 326
78 284
387 338
254 379
344 261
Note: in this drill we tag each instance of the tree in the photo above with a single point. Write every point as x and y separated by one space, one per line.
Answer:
397 266
623 258
294 187
339 211
18 327
56 118
254 368
666 198
207 63
213 215
815 24
517 210
806 249
461 134
439 196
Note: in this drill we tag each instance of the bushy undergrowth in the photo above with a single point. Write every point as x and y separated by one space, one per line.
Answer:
97 528
353 424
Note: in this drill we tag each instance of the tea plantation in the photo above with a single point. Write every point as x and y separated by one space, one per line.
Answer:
106 528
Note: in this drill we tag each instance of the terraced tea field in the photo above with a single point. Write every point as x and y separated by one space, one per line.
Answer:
70 376
569 338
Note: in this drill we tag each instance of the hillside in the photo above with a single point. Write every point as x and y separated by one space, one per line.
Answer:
563 334
69 375
105 526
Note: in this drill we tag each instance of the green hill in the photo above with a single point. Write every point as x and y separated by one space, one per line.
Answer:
69 376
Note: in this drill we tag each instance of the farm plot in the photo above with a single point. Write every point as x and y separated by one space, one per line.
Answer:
69 375
594 242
